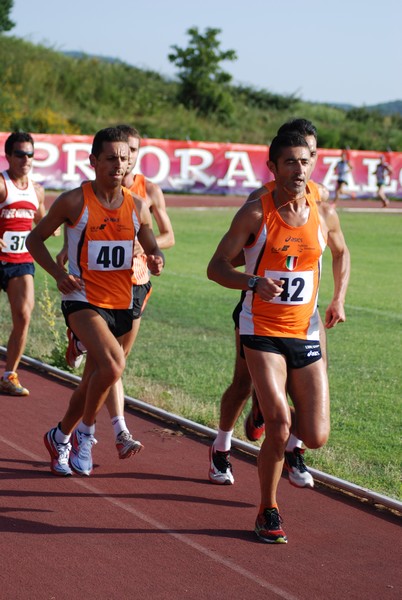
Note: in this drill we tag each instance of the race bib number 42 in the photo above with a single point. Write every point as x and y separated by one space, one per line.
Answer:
297 287
110 256
15 241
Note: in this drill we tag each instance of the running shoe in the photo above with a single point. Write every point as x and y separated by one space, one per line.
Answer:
220 469
254 426
74 354
10 385
299 475
59 454
81 452
268 527
126 445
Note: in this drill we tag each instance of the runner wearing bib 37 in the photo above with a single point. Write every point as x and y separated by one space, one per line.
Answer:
21 205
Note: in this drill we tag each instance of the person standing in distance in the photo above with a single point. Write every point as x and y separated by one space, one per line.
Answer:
279 328
22 203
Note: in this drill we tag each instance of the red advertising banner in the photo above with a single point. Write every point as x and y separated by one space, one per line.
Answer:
62 162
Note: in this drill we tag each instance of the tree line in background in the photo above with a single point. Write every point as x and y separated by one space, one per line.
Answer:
46 91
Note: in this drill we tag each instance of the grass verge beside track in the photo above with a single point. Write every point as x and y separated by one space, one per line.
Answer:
183 358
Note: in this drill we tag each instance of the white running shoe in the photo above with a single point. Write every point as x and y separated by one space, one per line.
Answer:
81 452
299 475
220 469
126 445
59 454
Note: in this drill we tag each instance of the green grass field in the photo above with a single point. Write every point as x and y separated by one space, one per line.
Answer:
183 358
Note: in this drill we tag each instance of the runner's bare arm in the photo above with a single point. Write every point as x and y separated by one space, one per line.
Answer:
165 238
155 257
242 231
335 312
66 208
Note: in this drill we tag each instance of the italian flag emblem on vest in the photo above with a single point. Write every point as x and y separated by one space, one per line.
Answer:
291 262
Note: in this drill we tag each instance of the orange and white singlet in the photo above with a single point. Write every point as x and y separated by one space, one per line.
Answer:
292 254
100 251
17 212
140 267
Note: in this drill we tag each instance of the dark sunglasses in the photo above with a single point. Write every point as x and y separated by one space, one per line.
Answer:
22 154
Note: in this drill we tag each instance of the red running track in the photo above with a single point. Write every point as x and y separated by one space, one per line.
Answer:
153 527
205 201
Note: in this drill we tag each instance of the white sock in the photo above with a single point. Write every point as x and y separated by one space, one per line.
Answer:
293 442
119 425
86 429
7 373
223 440
60 437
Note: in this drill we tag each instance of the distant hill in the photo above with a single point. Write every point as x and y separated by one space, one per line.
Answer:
79 54
388 108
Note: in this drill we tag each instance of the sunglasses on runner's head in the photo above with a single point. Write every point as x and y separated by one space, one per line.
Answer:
23 154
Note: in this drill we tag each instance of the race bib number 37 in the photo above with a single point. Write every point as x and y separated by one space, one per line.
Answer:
110 256
15 241
297 287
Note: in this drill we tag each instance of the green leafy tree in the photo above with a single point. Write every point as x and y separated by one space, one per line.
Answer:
5 8
204 85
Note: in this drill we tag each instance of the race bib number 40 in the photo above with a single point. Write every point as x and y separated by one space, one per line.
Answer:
297 287
15 241
110 256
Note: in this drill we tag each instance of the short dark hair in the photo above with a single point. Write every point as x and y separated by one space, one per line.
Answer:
129 131
302 126
16 137
285 140
109 134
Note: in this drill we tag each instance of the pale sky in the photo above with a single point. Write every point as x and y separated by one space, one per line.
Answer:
346 51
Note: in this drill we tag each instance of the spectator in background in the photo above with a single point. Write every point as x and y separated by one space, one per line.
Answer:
382 171
22 203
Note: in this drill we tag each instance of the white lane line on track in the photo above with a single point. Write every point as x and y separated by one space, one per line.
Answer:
184 539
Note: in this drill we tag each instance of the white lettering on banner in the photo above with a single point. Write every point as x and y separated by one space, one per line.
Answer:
52 152
53 155
193 172
331 177
243 159
164 162
73 163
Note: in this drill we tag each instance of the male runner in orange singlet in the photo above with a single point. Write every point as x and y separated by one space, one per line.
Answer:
153 196
283 237
236 395
103 221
